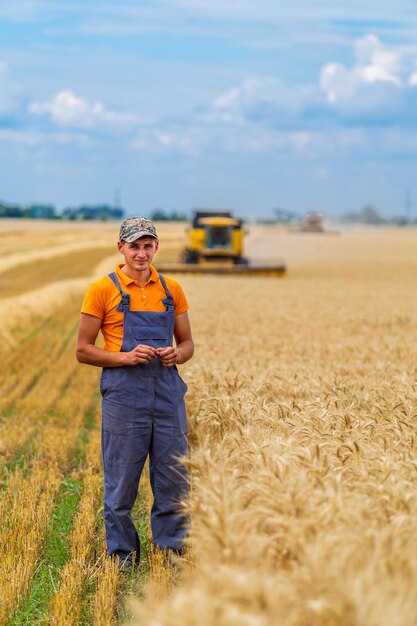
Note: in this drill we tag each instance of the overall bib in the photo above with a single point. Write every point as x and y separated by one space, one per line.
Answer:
144 413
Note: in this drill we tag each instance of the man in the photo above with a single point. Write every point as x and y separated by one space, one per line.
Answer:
139 312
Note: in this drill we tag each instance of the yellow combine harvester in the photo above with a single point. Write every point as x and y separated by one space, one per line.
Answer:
312 223
215 244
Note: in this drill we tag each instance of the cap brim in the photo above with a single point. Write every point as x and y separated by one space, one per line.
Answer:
138 235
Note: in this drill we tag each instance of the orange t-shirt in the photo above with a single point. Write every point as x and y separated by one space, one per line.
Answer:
102 298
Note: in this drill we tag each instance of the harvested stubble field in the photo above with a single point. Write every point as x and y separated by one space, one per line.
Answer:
302 416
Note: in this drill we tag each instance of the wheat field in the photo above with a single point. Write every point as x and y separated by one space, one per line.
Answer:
302 410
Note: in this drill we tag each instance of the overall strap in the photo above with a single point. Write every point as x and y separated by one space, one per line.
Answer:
169 300
124 304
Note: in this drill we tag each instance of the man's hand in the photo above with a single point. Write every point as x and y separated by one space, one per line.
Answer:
168 356
140 354
90 354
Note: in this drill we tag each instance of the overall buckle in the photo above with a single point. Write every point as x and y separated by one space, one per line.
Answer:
124 304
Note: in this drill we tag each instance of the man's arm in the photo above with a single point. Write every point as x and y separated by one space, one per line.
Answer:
183 338
87 352
184 348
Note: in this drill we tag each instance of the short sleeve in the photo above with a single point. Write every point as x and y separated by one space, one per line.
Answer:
93 302
180 301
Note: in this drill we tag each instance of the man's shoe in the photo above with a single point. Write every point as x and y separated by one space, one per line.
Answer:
127 566
173 557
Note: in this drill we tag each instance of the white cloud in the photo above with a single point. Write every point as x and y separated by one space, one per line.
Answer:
375 63
413 79
344 109
336 82
227 100
262 96
188 141
68 110
261 114
222 136
253 139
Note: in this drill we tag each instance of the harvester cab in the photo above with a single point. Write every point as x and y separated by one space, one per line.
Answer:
215 237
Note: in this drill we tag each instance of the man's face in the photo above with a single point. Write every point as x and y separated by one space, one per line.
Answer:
138 254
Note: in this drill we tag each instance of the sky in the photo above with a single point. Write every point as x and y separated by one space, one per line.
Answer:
234 104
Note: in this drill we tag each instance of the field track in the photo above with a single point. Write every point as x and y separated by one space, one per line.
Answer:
302 418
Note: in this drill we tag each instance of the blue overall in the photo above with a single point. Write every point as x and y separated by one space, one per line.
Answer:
144 413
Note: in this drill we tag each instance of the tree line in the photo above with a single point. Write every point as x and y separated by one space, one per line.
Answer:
367 215
101 212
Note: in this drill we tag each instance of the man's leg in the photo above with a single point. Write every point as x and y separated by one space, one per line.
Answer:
125 446
169 484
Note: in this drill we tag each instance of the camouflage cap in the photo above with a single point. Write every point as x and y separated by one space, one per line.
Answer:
135 227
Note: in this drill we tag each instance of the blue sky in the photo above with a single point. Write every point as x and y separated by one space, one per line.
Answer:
184 103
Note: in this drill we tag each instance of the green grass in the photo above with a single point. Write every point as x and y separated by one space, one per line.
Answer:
55 554
9 410
89 419
86 614
23 454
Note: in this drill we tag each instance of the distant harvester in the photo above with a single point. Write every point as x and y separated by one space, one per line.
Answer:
312 223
